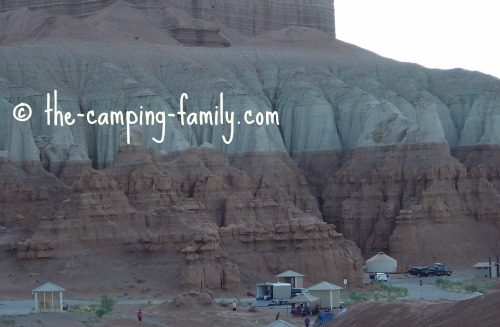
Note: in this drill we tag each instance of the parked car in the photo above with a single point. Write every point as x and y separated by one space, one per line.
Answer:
445 270
437 270
381 277
299 291
420 271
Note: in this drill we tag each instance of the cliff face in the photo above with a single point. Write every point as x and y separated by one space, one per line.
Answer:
394 156
416 202
217 226
246 17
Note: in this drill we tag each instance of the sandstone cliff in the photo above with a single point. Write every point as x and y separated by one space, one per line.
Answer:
394 156
216 224
246 17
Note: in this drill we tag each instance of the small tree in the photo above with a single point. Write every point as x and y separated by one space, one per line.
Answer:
107 303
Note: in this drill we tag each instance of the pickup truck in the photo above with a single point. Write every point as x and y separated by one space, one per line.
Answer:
437 270
420 271
443 270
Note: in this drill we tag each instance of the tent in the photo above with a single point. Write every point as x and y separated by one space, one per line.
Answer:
323 318
304 298
381 263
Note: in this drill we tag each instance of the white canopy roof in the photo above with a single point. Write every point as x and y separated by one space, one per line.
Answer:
289 273
48 287
324 286
304 298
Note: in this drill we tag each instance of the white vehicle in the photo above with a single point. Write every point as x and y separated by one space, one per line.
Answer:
381 277
299 291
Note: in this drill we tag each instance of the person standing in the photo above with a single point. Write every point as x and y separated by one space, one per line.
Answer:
139 315
234 305
306 322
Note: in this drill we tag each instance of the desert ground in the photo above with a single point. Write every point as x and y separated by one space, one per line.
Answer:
436 308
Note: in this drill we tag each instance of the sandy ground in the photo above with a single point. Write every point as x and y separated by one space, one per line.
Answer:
191 312
156 315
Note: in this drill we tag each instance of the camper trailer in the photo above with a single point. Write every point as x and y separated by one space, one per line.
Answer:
274 291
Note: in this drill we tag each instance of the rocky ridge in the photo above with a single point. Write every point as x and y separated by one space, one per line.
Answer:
214 222
394 156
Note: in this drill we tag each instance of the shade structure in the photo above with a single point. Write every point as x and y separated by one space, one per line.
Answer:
294 278
48 298
328 293
304 298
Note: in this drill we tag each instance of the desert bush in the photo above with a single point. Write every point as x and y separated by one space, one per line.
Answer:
389 292
6 321
471 288
358 297
460 286
83 308
100 312
107 302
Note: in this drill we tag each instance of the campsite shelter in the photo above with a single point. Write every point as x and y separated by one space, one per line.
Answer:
294 278
305 298
48 298
486 270
281 323
329 294
381 263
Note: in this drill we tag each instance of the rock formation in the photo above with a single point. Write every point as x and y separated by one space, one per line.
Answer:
202 18
392 156
195 208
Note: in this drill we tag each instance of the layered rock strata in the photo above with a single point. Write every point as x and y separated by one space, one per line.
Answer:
219 224
246 17
397 157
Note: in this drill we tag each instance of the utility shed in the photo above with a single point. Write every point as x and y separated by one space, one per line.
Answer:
486 270
381 263
293 278
48 298
328 294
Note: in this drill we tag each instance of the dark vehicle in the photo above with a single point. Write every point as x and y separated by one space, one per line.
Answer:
442 268
437 270
420 271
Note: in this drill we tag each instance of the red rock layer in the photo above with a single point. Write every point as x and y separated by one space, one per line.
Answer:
206 223
418 203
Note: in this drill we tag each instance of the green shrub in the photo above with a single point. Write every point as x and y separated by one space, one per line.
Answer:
358 297
100 312
389 292
7 321
83 308
460 286
471 288
107 302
